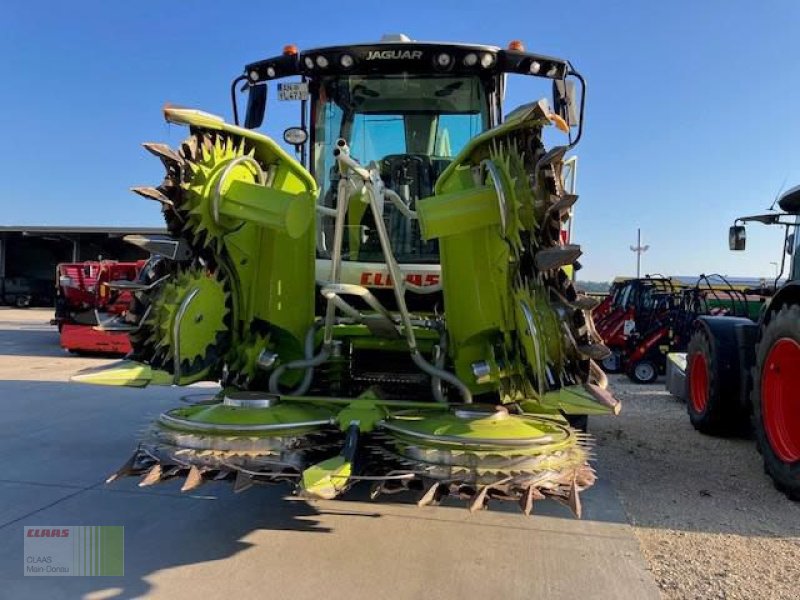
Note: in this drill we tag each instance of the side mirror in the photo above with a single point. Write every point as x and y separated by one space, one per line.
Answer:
295 136
737 237
790 243
565 103
256 106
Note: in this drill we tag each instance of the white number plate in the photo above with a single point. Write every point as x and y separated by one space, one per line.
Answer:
292 91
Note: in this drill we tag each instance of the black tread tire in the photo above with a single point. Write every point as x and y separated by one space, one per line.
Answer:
784 324
579 422
616 368
721 416
631 372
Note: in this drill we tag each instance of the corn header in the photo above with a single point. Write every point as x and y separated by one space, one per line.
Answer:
389 301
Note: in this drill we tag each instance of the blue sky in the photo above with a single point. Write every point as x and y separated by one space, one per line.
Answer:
691 115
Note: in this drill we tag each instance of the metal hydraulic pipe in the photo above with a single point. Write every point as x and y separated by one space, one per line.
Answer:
342 200
176 335
308 364
399 293
217 197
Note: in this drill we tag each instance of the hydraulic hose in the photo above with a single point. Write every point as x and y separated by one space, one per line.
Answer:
308 364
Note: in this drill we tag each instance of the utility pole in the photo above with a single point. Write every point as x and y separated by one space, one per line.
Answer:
639 250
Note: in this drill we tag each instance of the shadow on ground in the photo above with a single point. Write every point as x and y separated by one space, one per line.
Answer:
63 439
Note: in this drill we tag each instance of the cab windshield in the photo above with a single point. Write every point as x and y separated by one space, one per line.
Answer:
411 127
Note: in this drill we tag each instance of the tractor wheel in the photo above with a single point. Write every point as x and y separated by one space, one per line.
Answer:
579 422
709 410
643 371
612 363
776 399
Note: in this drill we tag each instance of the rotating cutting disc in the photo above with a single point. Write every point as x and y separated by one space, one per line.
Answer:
188 322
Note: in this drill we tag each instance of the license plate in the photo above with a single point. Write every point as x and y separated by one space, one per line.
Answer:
292 91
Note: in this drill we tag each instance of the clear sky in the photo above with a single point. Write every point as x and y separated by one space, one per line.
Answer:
691 115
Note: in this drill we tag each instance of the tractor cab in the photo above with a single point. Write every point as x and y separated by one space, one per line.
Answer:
405 109
789 219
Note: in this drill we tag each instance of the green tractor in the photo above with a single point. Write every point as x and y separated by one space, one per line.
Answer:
738 373
393 304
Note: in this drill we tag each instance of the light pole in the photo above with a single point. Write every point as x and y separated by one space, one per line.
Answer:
639 250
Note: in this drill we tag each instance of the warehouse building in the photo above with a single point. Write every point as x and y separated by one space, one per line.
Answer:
29 255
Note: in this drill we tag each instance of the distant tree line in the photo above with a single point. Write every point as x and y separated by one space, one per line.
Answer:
593 286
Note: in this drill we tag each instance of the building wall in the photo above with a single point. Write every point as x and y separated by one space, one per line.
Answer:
35 255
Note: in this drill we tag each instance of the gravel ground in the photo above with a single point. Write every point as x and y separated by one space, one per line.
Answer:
708 519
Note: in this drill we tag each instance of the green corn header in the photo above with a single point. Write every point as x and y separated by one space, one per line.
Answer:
394 304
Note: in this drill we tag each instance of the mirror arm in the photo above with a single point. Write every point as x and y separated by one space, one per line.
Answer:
233 98
783 255
303 124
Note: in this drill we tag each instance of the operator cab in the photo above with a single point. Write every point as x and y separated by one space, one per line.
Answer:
411 127
789 219
407 109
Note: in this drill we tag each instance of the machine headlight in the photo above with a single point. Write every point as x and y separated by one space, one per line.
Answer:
253 75
270 72
346 61
322 62
444 60
296 136
535 67
309 62
552 71
487 60
470 60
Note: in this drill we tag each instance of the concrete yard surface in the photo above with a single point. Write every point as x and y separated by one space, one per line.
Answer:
60 440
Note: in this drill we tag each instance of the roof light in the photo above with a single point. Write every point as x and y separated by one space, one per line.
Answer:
535 67
487 60
322 62
290 50
516 46
346 61
253 75
552 71
444 60
270 72
470 60
309 62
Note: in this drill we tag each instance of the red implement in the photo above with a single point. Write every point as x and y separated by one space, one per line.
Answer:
84 338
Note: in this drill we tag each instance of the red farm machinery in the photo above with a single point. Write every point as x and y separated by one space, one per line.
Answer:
91 298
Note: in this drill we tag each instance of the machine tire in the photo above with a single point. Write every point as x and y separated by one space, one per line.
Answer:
643 371
709 411
774 393
579 422
611 364
22 301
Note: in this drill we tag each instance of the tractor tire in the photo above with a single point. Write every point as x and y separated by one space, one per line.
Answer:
710 411
612 363
579 422
776 399
643 371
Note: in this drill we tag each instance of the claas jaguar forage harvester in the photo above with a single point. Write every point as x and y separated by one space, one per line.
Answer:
394 303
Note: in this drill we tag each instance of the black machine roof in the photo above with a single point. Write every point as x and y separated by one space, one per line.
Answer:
71 229
392 56
790 200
